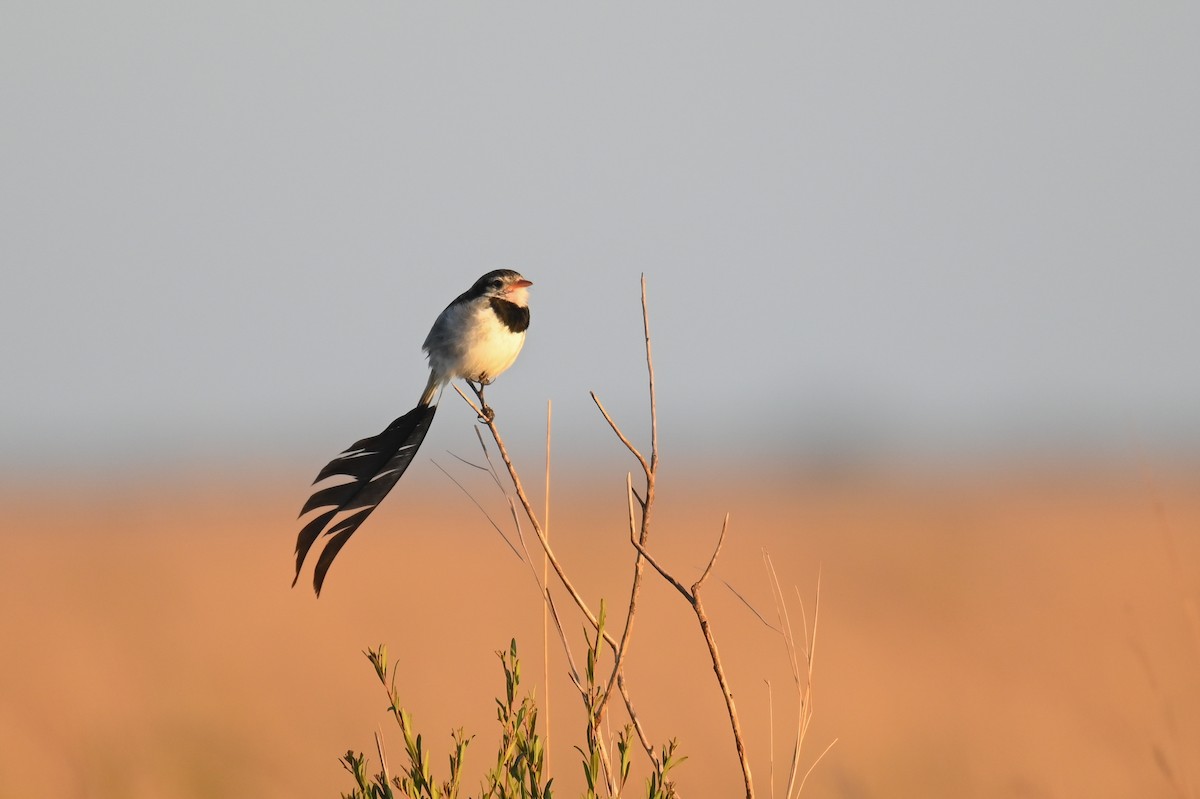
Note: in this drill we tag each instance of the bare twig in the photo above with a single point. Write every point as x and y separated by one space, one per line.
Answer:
650 375
482 510
491 466
751 608
530 514
626 634
546 606
620 435
713 559
463 460
647 504
719 670
633 716
662 572
693 598
467 400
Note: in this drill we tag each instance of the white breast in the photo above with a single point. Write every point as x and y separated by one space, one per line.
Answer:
470 341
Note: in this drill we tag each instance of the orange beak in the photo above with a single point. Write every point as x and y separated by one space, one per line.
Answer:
521 284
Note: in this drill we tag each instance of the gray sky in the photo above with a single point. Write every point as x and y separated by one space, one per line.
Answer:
226 227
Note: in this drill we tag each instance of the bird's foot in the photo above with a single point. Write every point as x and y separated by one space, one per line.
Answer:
486 414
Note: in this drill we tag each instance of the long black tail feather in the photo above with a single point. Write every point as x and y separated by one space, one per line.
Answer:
374 465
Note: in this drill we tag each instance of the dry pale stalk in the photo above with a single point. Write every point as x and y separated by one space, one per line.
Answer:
692 596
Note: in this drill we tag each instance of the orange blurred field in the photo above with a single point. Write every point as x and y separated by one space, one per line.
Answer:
1029 636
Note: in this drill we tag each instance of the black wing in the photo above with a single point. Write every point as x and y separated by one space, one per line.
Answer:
374 465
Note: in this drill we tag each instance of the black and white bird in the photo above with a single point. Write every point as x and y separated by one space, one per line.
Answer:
477 337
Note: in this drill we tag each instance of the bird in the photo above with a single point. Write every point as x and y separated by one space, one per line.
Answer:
477 337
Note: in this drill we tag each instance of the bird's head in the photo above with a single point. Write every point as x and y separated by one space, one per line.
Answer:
504 284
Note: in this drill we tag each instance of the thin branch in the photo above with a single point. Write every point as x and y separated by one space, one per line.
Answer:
630 493
693 598
491 466
537 529
647 505
530 514
467 400
650 371
512 507
680 587
487 515
545 579
713 559
626 634
633 716
751 608
463 460
572 669
628 444
723 681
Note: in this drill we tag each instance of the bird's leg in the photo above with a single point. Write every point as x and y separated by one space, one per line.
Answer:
486 414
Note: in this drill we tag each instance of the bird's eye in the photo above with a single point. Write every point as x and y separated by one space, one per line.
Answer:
496 283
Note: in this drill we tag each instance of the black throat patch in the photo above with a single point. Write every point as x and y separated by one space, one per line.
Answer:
514 317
